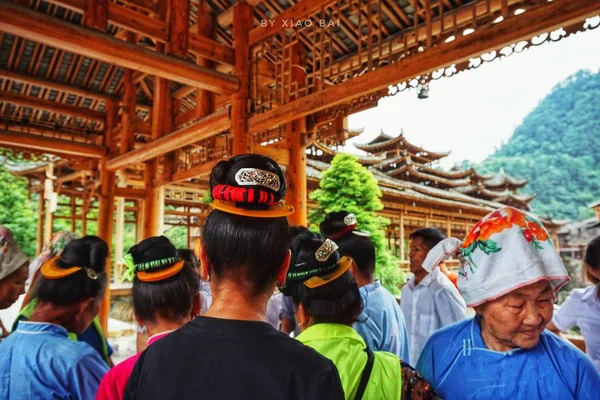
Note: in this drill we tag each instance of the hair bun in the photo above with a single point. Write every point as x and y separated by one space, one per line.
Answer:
152 249
89 251
250 180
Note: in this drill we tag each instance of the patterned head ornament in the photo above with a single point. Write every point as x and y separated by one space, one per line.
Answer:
51 249
251 185
11 255
504 251
318 275
339 223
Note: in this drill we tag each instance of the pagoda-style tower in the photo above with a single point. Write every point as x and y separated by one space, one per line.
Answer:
405 161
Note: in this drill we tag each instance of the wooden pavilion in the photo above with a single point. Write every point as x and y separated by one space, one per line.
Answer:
131 102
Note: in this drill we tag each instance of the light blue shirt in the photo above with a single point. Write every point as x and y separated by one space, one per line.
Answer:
458 364
382 324
39 361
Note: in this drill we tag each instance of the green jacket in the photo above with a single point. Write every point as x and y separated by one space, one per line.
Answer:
344 346
26 312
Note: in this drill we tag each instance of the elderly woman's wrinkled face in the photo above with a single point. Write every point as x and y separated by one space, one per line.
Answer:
13 286
518 318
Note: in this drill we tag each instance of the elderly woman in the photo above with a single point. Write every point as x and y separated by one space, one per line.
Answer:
38 359
328 302
509 274
94 334
14 268
231 352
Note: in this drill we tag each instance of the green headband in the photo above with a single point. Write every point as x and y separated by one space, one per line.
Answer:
132 267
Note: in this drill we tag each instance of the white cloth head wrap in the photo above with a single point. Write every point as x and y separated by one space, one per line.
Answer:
11 256
503 252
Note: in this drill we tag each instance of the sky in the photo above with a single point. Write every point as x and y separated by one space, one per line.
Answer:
474 112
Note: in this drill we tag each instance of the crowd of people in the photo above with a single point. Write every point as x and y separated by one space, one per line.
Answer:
269 311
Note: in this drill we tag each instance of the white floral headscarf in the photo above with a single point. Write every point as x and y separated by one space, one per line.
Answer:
504 251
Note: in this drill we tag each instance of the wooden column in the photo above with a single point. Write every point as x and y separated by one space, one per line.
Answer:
40 225
73 214
96 14
106 207
242 24
179 26
48 212
402 243
295 131
119 236
206 27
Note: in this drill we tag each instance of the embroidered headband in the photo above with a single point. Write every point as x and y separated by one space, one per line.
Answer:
504 251
151 271
50 270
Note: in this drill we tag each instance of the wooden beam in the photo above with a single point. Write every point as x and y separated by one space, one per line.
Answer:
155 29
50 145
298 12
211 49
70 37
52 106
201 129
194 172
129 193
543 18
95 15
242 23
61 87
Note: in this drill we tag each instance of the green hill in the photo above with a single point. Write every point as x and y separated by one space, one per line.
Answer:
557 147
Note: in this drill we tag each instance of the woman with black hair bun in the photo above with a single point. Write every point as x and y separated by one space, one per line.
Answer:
165 297
38 359
231 352
328 303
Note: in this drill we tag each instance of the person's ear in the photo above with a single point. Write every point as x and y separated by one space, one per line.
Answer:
353 268
138 320
302 317
196 305
283 269
204 270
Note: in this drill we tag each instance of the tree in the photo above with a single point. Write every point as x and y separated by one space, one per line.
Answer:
17 211
348 186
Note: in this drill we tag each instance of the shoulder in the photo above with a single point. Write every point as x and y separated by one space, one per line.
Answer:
568 355
452 333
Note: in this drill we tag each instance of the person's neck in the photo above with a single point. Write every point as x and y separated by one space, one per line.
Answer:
231 301
491 342
160 326
419 276
362 280
51 314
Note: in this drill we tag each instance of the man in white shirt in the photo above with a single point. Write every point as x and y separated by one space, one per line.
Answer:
429 301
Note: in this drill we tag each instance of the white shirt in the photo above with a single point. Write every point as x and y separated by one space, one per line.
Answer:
428 306
582 308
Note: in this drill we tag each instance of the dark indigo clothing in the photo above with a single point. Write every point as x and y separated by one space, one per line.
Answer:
211 358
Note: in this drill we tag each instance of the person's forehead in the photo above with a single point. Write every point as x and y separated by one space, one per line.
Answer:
535 289
417 241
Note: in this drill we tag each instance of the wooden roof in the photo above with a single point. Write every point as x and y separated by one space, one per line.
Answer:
385 143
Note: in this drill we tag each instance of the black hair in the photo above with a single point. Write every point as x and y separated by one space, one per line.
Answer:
361 250
592 258
88 252
189 257
429 236
297 229
334 223
249 250
171 298
338 301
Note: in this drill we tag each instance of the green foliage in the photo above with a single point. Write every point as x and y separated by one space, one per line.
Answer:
557 147
178 236
17 211
349 186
